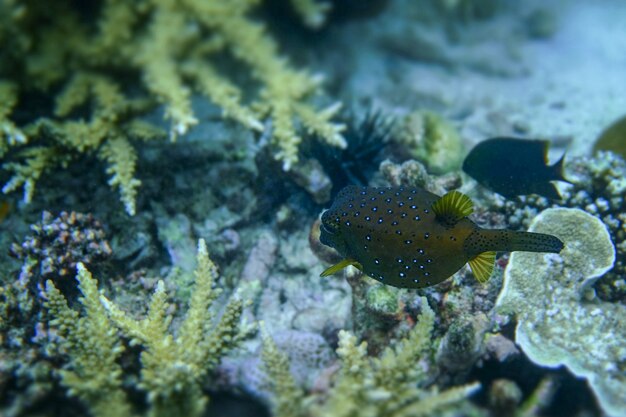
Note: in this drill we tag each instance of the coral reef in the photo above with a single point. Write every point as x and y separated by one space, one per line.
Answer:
170 50
598 188
173 368
390 385
86 86
559 319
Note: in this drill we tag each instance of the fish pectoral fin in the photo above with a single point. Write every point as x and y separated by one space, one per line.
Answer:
453 206
482 266
339 266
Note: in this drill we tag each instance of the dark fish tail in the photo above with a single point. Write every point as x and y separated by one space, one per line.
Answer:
507 241
557 170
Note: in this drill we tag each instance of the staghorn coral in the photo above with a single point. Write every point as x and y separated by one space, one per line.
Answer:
559 321
113 61
173 368
389 385
57 142
94 374
10 135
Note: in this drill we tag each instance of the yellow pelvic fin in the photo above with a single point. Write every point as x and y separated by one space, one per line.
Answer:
339 266
453 206
482 266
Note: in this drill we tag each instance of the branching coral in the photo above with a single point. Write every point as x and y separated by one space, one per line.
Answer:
94 374
173 368
98 56
10 135
388 385
106 134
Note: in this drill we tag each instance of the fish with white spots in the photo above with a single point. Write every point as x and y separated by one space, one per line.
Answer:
411 238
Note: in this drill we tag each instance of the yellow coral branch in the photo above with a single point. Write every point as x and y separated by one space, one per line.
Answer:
10 135
94 374
160 72
288 396
121 157
223 93
37 160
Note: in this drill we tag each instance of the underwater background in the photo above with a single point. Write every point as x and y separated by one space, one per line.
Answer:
165 166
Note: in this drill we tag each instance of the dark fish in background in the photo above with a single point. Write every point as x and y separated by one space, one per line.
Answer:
411 238
513 167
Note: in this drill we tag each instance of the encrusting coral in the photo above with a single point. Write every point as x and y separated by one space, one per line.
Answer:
173 368
560 321
390 385
114 61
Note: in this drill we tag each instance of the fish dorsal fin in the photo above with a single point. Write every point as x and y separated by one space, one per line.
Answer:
482 266
339 266
452 207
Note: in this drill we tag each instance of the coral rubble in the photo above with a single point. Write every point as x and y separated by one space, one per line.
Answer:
560 322
58 244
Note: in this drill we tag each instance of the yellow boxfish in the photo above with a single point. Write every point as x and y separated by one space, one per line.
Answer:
411 238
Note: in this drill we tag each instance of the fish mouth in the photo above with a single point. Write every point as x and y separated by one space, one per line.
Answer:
326 229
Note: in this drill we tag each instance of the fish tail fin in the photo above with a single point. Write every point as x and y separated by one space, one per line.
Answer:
482 266
558 170
534 242
339 266
507 240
